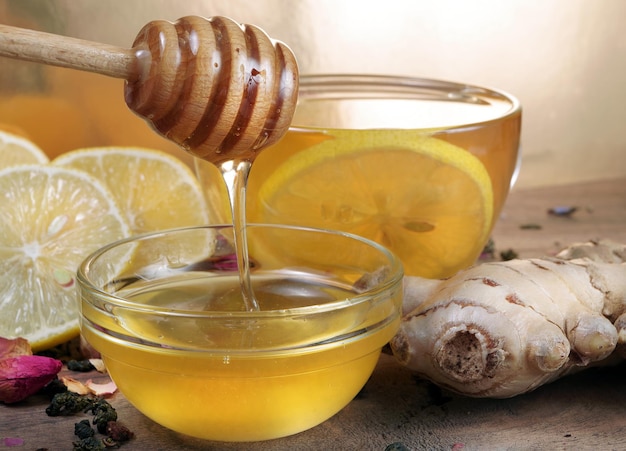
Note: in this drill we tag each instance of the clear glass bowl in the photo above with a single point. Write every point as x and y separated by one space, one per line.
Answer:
165 311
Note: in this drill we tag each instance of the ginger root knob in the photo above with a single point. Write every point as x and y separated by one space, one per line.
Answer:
504 328
464 356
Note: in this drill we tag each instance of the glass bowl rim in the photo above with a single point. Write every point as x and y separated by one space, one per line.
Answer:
327 85
393 280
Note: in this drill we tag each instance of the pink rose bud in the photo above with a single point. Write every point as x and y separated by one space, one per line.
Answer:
11 347
24 375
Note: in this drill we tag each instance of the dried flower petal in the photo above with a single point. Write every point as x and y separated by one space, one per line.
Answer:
98 364
75 386
24 375
11 347
101 389
89 387
13 441
562 210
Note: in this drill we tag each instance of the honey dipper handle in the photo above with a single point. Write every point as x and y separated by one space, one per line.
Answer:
63 51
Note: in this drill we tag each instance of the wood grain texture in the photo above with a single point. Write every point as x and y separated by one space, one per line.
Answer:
600 213
583 411
64 51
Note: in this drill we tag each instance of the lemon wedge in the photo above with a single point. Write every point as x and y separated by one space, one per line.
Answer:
52 218
428 201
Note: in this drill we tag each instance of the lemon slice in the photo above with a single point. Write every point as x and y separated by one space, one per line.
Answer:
428 201
52 218
155 190
16 150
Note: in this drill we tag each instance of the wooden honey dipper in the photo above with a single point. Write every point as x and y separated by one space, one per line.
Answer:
220 90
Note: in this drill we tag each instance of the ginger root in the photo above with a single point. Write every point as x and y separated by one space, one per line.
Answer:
501 329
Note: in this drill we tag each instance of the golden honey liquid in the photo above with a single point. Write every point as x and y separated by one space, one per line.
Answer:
230 395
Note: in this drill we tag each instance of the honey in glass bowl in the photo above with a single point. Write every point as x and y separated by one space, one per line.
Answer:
166 312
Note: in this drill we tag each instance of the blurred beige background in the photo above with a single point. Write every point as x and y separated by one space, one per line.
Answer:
564 59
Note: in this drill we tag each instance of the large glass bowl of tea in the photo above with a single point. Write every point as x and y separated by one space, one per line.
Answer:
421 166
165 311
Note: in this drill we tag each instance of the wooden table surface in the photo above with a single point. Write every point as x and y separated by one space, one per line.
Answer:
583 411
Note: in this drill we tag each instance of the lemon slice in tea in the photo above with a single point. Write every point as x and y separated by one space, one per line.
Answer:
428 201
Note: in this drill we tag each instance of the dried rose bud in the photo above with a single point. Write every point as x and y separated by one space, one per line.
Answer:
24 375
11 347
